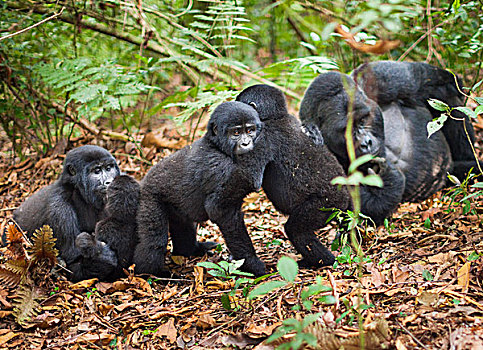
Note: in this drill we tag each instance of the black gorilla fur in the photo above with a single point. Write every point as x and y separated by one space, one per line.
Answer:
207 180
326 104
408 86
297 180
74 204
119 230
399 139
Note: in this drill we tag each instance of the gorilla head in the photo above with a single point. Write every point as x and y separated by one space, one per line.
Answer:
123 198
327 102
89 169
269 102
234 136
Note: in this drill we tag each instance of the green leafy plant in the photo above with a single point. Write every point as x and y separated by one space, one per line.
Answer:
230 271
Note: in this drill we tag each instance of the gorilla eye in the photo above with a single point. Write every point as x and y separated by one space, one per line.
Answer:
97 170
108 167
236 132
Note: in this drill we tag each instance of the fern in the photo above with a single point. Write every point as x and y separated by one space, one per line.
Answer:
93 88
26 303
202 100
43 248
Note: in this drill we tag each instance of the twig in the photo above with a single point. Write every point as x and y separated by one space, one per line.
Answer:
33 25
411 335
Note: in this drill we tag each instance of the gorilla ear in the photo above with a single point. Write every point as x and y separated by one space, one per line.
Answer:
253 104
71 170
214 129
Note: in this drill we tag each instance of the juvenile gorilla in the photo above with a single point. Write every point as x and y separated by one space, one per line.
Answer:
402 90
207 180
297 180
74 203
117 230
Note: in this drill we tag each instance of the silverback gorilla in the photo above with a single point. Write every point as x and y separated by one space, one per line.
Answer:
297 180
411 165
206 180
74 203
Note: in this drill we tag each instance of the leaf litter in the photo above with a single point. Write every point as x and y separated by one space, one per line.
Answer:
422 283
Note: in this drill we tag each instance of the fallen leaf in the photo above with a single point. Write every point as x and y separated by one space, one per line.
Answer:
5 338
262 330
83 284
206 321
168 330
464 276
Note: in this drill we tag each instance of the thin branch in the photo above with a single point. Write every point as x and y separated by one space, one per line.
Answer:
34 25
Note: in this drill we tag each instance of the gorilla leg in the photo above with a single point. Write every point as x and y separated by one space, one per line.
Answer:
153 236
300 227
183 236
231 224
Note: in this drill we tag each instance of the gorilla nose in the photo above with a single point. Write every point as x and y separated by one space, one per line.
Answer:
366 145
107 182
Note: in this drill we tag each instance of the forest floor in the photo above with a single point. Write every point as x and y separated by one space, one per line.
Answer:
419 285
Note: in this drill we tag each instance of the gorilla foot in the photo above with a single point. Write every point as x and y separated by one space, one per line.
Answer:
204 247
254 265
327 260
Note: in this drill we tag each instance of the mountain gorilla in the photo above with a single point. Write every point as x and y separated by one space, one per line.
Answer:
398 139
297 180
405 87
118 230
326 104
74 204
206 180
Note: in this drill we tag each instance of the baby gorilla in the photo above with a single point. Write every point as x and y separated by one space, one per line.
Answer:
297 180
206 180
117 232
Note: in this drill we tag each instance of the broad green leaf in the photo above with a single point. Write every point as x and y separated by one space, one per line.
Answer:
468 111
438 105
209 265
436 124
265 288
372 180
288 268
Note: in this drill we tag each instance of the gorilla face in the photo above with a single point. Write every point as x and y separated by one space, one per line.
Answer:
327 103
235 128
99 177
90 169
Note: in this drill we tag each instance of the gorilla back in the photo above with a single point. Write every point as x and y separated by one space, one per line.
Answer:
297 179
74 202
207 180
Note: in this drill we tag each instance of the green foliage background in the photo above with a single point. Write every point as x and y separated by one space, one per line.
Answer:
127 64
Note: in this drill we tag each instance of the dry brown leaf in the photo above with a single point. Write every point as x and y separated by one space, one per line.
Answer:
262 330
198 273
377 278
83 284
464 276
168 330
206 321
5 338
379 48
400 344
